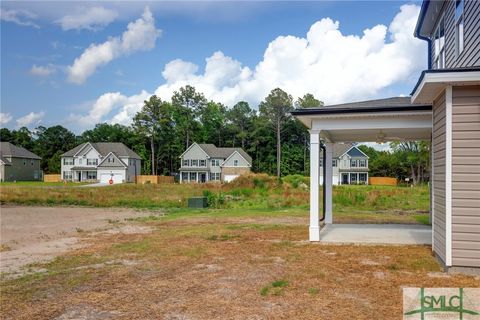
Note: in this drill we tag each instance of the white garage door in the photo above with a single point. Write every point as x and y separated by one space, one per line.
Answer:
117 177
230 177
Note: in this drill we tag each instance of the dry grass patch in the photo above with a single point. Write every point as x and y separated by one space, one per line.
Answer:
225 270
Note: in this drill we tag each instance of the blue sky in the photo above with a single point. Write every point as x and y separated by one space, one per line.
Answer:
40 42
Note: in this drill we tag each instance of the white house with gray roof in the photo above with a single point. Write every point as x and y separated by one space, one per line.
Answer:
18 164
205 162
106 162
349 165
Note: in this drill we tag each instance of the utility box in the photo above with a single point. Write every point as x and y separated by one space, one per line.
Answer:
199 202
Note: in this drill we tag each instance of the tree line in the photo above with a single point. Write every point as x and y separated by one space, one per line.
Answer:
162 130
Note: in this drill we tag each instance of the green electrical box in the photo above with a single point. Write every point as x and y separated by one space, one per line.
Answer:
200 202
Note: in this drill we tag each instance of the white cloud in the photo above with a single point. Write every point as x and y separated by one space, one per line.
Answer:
33 118
334 67
20 17
140 35
126 108
5 118
42 71
92 18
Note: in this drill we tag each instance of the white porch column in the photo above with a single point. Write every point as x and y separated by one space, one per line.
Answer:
328 181
314 231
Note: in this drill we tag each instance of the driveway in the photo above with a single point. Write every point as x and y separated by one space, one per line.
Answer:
38 234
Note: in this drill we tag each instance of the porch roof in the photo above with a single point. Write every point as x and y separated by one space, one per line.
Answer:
378 120
84 169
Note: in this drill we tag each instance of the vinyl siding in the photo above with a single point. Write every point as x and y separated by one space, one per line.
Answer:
466 176
439 153
470 56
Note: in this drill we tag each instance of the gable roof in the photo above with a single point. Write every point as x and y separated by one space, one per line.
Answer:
213 152
104 148
233 153
339 149
119 162
10 150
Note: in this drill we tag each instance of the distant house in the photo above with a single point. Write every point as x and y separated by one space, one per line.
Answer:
350 165
101 161
18 164
205 162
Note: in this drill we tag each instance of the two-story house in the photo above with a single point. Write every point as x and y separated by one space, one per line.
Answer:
106 162
350 165
205 162
18 164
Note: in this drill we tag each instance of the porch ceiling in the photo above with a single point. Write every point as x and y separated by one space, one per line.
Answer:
382 120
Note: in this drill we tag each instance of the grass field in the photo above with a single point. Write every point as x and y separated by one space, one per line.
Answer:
40 184
257 192
230 267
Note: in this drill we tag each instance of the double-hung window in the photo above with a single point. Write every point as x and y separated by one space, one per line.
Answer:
215 163
459 26
186 162
362 163
194 163
334 163
439 45
68 161
92 162
203 163
353 163
235 163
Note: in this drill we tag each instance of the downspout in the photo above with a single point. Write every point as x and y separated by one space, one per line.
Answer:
324 192
417 34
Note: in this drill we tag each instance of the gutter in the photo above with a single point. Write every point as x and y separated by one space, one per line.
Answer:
421 18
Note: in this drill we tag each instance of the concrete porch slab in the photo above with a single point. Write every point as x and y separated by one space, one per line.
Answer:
376 234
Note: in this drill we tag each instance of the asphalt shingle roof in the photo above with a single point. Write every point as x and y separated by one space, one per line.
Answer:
223 153
10 150
104 148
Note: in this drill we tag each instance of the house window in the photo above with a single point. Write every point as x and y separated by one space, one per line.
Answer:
193 176
24 162
353 163
459 26
321 162
194 163
215 176
92 175
362 177
92 162
439 45
68 161
353 178
235 163
111 159
67 175
334 162
186 162
203 163
31 162
184 176
362 163
215 163
80 160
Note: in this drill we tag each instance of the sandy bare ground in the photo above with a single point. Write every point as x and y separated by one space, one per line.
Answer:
38 234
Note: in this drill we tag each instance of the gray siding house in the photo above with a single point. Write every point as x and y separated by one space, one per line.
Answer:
205 162
444 108
18 164
350 165
101 161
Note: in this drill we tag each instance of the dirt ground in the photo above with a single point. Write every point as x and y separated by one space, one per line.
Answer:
223 268
38 234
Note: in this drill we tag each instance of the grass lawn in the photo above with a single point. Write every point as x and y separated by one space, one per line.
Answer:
260 192
214 264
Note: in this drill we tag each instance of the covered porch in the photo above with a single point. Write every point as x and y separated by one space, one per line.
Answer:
384 120
83 174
